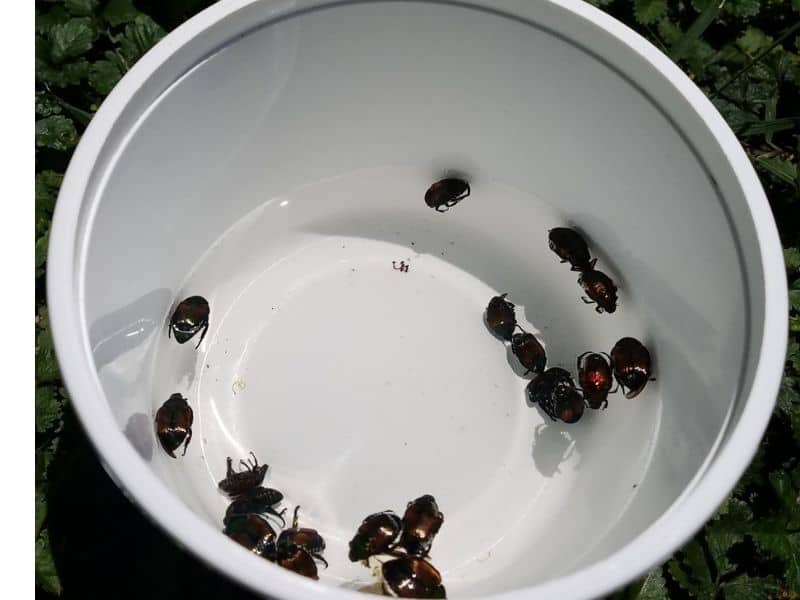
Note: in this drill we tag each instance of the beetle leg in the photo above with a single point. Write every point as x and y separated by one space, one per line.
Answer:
255 460
205 330
186 443
586 300
605 403
441 210
230 467
599 310
272 511
319 557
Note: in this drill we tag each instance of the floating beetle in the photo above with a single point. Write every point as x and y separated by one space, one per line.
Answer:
421 523
301 537
258 500
190 316
600 289
554 390
412 577
632 366
529 352
500 317
377 534
595 379
446 193
571 247
253 532
174 424
236 484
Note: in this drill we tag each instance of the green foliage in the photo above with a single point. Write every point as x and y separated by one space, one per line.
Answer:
742 53
83 48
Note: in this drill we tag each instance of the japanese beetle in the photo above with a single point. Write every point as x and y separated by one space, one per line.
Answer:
174 424
529 352
500 317
258 500
571 247
296 559
253 532
595 379
446 193
412 577
554 391
377 534
308 539
632 367
421 523
600 289
190 316
235 484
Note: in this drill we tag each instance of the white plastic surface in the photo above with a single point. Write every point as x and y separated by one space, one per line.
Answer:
282 174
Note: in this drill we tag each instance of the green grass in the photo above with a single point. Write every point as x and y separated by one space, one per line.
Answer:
92 543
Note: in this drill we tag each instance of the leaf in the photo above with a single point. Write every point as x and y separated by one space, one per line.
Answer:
794 295
55 16
785 489
771 536
47 185
117 12
81 8
791 257
696 29
691 572
46 573
735 116
46 105
44 456
46 363
138 37
761 127
41 252
41 509
48 408
777 167
745 587
57 132
721 539
744 8
71 73
71 39
654 587
649 11
104 75
753 40
793 351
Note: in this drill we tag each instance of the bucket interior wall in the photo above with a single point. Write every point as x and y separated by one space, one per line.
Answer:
346 114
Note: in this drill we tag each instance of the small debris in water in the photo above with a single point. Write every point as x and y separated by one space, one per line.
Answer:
402 267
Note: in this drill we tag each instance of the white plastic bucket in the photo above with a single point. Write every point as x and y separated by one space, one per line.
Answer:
273 156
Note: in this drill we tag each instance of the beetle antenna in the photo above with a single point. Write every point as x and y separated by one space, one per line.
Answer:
295 519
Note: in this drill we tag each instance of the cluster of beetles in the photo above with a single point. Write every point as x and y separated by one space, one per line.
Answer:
405 542
554 389
408 541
